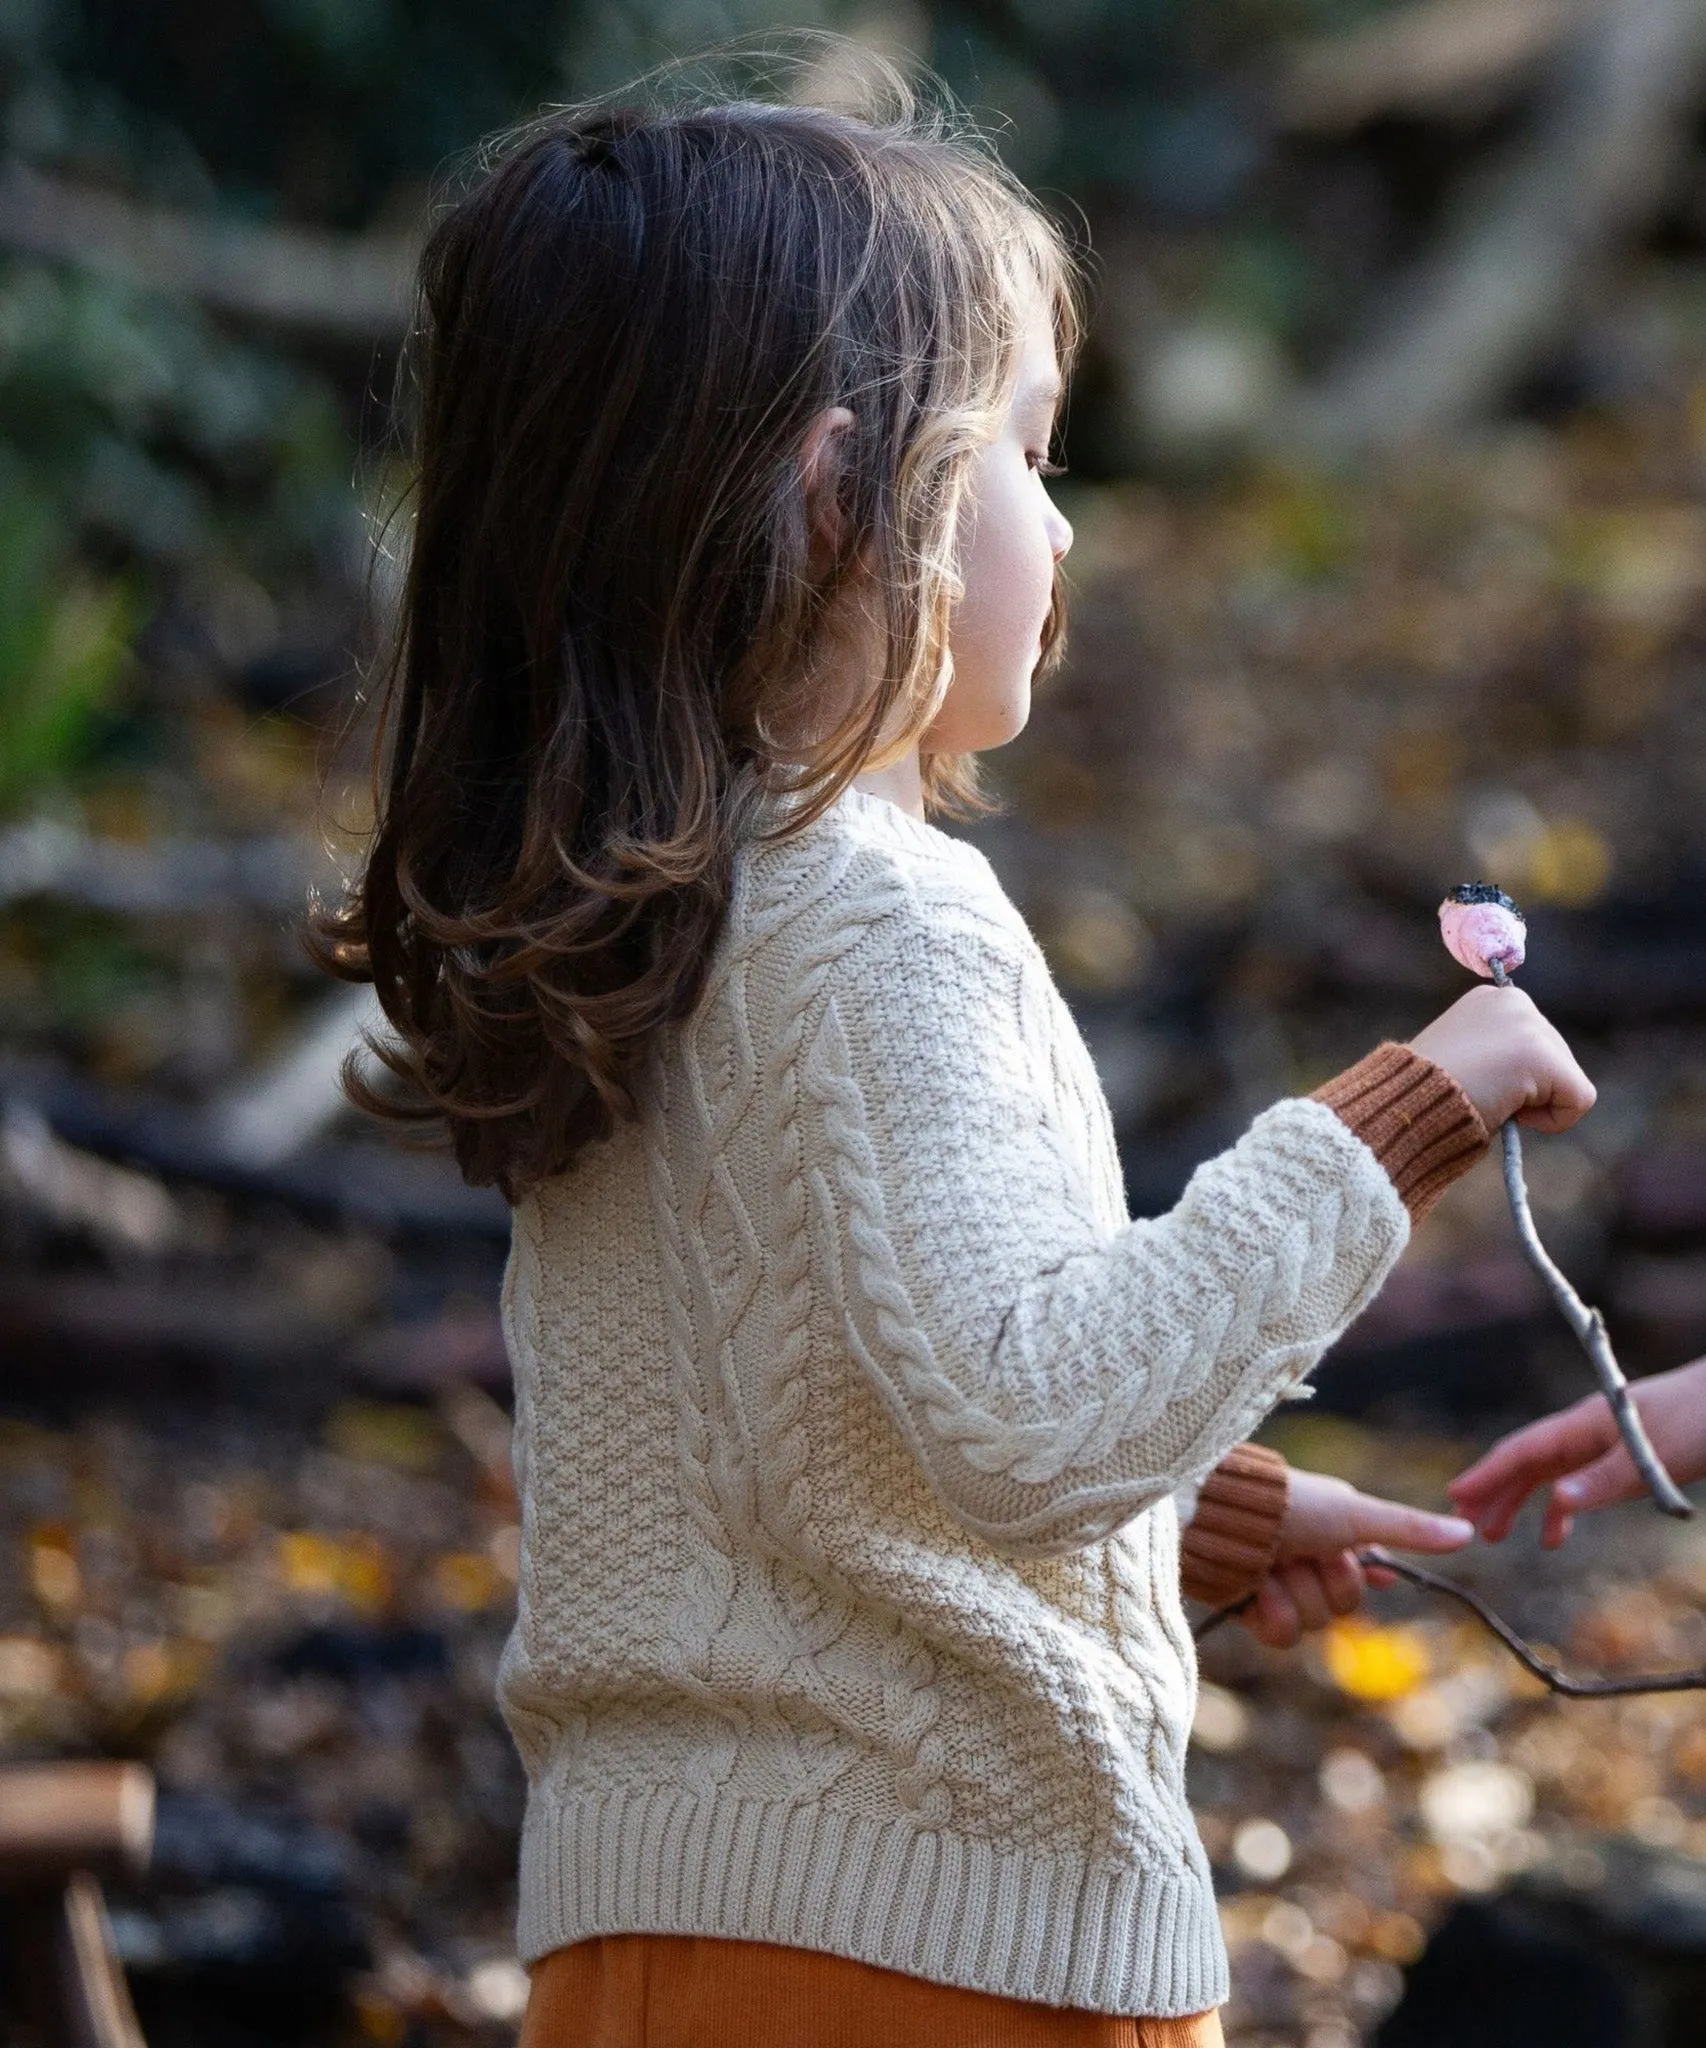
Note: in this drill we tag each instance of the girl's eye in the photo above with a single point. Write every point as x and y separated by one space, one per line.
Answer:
1043 467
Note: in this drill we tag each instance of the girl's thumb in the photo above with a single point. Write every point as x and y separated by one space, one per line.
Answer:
1608 1479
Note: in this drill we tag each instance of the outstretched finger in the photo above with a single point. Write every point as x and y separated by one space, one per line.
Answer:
1404 1528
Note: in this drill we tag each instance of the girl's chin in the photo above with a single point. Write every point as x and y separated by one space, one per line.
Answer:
974 719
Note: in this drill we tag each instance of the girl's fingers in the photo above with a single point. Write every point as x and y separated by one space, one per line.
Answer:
1554 1116
1308 1595
1499 1518
1342 1582
1402 1528
1273 1620
1569 1094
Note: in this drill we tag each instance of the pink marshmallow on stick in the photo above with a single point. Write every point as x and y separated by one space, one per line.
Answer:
1484 931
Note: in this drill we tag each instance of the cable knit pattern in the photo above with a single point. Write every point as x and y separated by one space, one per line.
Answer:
851 1411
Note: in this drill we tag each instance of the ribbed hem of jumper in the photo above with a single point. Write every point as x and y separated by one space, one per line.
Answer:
1413 1117
1057 1930
1234 1536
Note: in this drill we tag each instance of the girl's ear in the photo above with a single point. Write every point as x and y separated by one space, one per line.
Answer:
820 472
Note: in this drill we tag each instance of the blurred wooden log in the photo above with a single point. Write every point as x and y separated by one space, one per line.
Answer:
122 1209
382 1187
1448 57
72 1980
293 1098
1524 241
43 857
61 1824
347 287
57 1818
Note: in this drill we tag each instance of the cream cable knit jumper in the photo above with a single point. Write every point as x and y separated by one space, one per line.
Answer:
850 1412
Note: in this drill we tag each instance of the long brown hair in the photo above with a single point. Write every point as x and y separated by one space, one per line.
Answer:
604 653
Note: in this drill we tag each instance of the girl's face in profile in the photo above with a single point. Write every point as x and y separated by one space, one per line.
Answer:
1011 538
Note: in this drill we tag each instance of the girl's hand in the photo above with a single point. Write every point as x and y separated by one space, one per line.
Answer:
1579 1449
1508 1060
1316 1574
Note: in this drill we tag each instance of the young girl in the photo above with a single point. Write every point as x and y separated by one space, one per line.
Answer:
855 1418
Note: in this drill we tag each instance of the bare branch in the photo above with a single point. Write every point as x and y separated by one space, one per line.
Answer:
1588 1325
1438 57
348 287
1549 1674
1513 264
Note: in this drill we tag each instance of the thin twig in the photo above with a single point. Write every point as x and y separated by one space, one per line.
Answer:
1549 1674
1230 1612
1588 1325
1526 1655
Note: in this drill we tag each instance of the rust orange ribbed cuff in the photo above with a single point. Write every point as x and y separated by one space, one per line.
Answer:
1413 1117
1234 1536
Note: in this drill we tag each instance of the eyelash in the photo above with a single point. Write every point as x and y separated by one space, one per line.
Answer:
1043 467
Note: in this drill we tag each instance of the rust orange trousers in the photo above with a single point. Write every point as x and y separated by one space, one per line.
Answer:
684 1991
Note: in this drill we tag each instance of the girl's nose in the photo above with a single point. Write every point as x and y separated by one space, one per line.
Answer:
1059 533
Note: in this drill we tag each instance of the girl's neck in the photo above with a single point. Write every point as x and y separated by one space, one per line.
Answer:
899 782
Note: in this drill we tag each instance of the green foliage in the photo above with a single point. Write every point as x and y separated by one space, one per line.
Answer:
153 457
64 642
144 452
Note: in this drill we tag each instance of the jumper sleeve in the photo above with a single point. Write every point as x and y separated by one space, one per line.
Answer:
1229 1543
1413 1117
1055 1377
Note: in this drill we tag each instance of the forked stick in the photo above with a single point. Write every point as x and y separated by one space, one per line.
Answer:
1587 1323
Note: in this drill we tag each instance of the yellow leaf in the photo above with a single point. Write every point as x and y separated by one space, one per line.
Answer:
379 2019
1374 1663
365 1577
160 1671
354 1568
467 1580
308 1562
53 1566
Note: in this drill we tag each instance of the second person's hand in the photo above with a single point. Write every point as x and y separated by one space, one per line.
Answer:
1580 1453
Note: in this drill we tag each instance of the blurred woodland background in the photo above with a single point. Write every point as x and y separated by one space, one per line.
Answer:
1388 469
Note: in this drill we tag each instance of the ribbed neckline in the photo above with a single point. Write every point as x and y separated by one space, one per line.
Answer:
887 816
